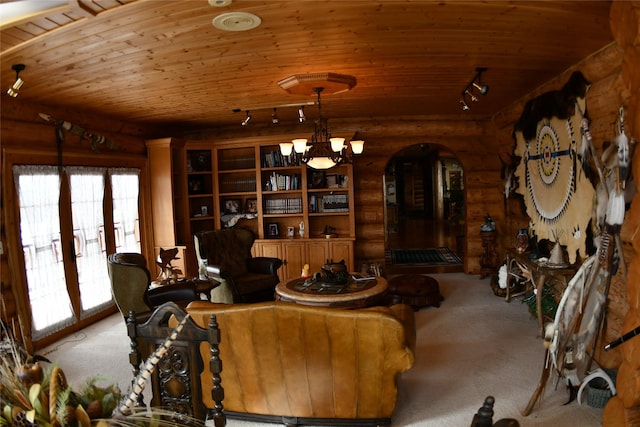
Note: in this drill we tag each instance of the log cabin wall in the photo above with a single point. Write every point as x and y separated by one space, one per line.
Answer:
469 143
624 408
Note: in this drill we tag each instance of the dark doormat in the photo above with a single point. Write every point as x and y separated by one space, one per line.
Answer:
428 256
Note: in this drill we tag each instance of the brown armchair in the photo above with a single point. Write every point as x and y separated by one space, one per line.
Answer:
243 278
130 281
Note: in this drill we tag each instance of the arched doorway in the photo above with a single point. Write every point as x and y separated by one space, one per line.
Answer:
424 206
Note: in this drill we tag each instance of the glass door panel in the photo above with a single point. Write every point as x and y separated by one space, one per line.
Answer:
39 195
87 202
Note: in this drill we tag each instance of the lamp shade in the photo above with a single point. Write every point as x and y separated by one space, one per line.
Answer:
286 148
337 144
321 163
357 146
299 145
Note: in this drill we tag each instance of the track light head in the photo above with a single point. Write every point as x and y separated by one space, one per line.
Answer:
15 87
465 107
247 119
301 116
477 81
471 95
482 88
274 117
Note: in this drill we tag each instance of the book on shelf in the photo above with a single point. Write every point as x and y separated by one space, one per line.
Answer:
275 159
282 206
335 203
284 182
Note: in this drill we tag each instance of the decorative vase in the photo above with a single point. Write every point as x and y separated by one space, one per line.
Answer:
522 240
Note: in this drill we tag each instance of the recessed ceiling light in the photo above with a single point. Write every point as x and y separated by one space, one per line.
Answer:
219 3
236 21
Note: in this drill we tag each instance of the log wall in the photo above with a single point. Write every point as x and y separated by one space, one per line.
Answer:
624 408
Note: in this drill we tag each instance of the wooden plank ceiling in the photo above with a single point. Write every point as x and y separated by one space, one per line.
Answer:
163 63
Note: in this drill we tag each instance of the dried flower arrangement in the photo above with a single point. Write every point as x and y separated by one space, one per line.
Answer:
36 395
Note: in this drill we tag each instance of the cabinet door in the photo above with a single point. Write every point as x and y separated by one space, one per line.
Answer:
269 249
342 250
294 259
318 254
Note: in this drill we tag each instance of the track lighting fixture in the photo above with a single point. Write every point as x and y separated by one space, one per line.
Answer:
15 87
301 116
475 84
274 117
247 119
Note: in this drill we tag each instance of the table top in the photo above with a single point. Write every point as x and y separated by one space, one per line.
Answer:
540 265
355 293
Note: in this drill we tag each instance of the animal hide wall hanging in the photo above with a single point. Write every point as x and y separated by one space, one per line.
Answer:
558 194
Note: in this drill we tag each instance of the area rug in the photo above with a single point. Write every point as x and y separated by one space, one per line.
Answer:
428 256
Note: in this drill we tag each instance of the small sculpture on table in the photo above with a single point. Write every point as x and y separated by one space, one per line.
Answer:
333 273
168 273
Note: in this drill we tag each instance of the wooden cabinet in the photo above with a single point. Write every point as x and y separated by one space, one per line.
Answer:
295 253
198 185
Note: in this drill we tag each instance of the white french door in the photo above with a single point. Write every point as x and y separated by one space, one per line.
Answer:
63 233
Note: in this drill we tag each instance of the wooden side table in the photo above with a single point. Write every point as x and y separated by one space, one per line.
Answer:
489 259
541 274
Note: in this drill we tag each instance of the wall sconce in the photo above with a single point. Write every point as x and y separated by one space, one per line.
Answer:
247 119
15 87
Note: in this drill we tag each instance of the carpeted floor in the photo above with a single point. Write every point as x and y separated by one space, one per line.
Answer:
427 256
473 346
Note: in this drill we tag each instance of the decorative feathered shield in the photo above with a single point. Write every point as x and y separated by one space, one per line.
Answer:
557 192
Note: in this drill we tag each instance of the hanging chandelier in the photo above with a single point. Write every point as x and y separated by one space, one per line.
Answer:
323 151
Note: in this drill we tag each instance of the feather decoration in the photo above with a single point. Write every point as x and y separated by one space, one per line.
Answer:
145 374
615 210
623 150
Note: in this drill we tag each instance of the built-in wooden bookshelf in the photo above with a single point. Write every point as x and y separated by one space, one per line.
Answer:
206 187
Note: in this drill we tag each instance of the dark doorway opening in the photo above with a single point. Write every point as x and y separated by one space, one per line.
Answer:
424 204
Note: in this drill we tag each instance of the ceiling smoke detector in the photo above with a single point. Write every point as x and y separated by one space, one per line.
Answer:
236 21
219 3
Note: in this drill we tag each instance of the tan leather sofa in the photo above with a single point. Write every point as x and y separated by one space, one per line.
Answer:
295 364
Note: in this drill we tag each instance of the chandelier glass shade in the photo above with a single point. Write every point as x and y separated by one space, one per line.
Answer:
323 151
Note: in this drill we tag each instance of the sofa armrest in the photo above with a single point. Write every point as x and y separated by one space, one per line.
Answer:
264 265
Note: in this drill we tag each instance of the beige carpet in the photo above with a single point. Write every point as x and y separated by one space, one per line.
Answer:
473 346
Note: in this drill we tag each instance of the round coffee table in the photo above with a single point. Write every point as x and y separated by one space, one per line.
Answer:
355 294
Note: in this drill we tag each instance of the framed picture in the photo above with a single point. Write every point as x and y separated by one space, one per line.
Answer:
317 180
231 206
251 206
290 232
332 180
273 229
